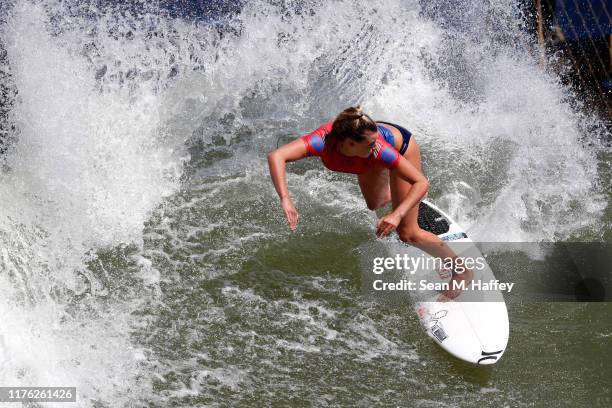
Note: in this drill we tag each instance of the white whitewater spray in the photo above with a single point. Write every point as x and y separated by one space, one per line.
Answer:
92 160
107 100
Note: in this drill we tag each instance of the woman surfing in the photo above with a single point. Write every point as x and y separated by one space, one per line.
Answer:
387 161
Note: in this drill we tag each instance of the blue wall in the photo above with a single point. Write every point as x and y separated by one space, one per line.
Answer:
580 19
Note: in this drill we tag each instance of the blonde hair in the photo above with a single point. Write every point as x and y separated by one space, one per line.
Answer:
351 123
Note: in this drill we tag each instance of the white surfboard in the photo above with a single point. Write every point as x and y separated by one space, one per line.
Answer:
474 327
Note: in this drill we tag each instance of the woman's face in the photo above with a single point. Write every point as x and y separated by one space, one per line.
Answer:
361 149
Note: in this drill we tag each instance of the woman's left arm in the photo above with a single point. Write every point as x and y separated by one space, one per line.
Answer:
420 185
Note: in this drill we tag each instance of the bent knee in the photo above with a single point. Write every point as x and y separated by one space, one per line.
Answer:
410 236
375 205
380 203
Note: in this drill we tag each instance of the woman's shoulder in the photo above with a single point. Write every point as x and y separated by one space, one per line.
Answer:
384 152
316 140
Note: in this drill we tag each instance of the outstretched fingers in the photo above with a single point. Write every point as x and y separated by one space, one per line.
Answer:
384 228
292 219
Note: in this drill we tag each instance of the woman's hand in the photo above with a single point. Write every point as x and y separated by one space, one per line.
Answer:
387 224
277 160
290 212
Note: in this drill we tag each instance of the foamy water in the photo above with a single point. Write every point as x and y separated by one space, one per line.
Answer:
141 237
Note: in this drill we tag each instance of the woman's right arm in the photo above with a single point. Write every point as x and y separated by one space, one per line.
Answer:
292 151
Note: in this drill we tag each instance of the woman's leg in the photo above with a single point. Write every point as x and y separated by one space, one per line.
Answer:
374 186
409 230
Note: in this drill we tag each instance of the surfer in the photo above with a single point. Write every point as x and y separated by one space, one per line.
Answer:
387 161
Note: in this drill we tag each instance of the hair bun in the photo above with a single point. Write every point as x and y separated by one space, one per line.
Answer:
358 112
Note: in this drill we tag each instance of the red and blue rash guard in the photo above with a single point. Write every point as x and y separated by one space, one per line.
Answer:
317 145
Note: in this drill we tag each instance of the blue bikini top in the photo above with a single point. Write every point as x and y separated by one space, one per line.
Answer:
386 134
